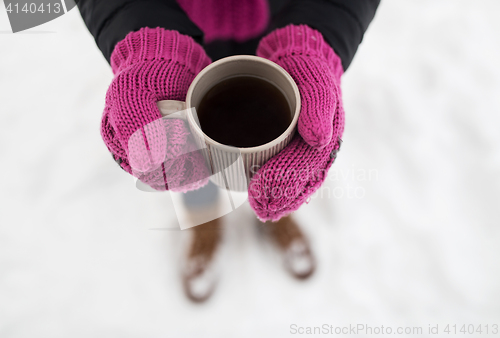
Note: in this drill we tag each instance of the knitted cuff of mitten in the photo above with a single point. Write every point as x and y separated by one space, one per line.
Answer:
158 44
299 40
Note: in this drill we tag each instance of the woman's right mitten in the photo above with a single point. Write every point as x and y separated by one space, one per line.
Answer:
151 65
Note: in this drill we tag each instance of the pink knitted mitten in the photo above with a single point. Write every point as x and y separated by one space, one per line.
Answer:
288 179
152 65
239 20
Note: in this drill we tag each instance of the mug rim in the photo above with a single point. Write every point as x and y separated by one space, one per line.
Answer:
289 130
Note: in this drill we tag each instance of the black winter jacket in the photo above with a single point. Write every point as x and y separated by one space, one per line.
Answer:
341 22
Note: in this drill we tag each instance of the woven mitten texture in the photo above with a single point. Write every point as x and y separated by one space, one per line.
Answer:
239 20
288 179
150 65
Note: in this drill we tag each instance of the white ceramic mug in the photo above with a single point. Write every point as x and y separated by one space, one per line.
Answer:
234 167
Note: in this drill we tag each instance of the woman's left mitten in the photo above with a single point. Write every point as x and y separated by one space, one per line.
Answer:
288 179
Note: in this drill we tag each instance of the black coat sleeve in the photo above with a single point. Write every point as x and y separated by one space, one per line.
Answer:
109 21
341 22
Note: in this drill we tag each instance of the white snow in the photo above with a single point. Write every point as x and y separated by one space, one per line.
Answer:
407 231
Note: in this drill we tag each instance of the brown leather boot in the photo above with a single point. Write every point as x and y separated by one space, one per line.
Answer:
293 244
199 273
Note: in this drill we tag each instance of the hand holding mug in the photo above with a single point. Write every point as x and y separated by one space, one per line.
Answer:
288 179
149 65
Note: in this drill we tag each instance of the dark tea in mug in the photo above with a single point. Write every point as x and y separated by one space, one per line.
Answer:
244 111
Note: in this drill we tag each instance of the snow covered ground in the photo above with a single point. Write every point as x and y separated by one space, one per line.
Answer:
407 229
